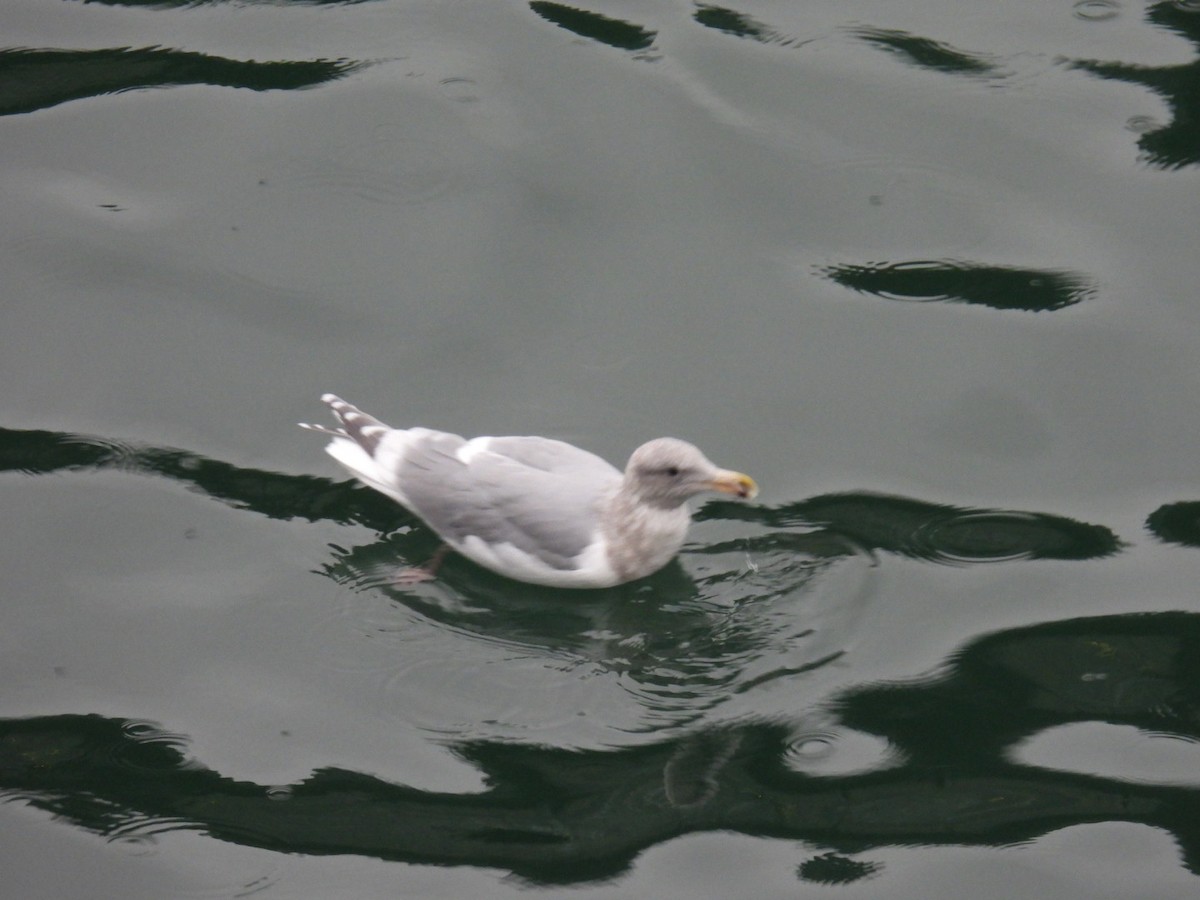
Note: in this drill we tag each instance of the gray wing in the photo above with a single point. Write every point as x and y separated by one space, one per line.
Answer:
537 494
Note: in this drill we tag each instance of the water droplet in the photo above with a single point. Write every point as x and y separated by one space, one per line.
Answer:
1096 10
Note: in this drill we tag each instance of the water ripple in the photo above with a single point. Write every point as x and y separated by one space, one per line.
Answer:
150 748
600 667
1096 10
931 531
739 24
927 53
390 165
959 281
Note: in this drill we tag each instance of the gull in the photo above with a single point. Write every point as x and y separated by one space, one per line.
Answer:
535 509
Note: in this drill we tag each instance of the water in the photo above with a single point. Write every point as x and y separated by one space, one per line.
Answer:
926 271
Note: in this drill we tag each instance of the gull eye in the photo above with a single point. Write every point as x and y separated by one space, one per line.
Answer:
673 471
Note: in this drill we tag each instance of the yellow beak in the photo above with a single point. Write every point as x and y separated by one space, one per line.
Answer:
728 482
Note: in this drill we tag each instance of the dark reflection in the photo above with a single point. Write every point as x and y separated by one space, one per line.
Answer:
832 868
953 281
930 531
1177 523
730 21
1140 670
373 566
678 643
36 79
594 26
926 53
565 816
673 634
844 523
1177 143
1171 146
271 494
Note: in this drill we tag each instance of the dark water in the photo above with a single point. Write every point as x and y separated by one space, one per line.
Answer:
926 270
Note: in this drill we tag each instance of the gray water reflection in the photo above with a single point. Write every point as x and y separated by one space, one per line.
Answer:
747 148
740 24
821 528
38 79
692 644
595 26
657 655
958 281
1177 143
927 53
1171 146
555 816
934 532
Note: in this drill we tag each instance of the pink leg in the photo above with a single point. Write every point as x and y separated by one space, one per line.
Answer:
417 574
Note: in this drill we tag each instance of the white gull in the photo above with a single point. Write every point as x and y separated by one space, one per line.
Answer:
532 508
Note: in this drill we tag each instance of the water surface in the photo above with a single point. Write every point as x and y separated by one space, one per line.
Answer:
926 270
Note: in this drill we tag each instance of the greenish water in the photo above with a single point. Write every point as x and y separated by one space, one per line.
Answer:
925 270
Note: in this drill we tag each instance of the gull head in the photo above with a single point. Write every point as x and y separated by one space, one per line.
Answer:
665 472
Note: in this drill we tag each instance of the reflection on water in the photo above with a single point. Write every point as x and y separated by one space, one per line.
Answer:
636 659
37 79
927 53
700 637
594 26
1177 143
1171 146
955 281
608 724
558 816
271 494
739 24
846 524
1176 523
694 643
930 531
